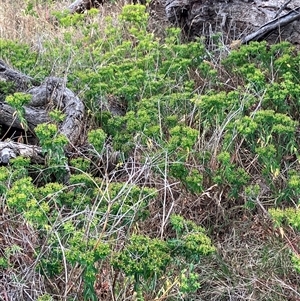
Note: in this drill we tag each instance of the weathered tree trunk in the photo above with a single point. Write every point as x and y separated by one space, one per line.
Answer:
52 93
10 149
236 20
275 20
80 6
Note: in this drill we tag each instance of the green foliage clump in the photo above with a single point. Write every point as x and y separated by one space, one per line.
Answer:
231 175
53 144
162 103
194 181
80 164
296 262
191 241
19 55
290 216
86 252
187 247
97 139
20 194
4 176
56 115
145 259
17 101
182 139
6 88
66 19
130 202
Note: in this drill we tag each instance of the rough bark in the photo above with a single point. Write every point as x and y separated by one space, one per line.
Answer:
21 82
237 19
278 22
51 93
79 6
10 149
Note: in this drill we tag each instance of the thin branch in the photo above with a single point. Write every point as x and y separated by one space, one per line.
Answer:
272 25
282 8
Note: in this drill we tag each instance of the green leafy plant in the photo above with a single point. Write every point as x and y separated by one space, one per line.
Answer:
18 54
190 240
17 101
252 193
56 115
235 177
296 262
86 252
53 145
20 194
97 139
143 258
187 247
130 202
4 175
289 216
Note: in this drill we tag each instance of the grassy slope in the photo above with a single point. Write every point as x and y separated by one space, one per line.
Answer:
253 261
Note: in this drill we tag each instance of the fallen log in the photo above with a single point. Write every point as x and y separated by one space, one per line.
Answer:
21 81
34 116
243 20
237 20
10 150
267 28
52 93
79 6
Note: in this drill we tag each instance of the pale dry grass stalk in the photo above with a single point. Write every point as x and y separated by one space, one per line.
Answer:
16 25
18 242
38 25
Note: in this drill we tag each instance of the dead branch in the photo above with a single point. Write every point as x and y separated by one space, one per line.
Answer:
79 6
52 93
10 150
20 80
267 28
241 20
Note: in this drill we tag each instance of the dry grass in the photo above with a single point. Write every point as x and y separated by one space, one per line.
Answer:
18 242
35 27
39 25
16 25
253 259
256 263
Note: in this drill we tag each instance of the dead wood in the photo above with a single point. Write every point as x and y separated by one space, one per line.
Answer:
10 150
79 6
33 116
51 93
266 29
21 82
244 20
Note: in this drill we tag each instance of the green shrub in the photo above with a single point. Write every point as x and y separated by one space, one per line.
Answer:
162 103
17 101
